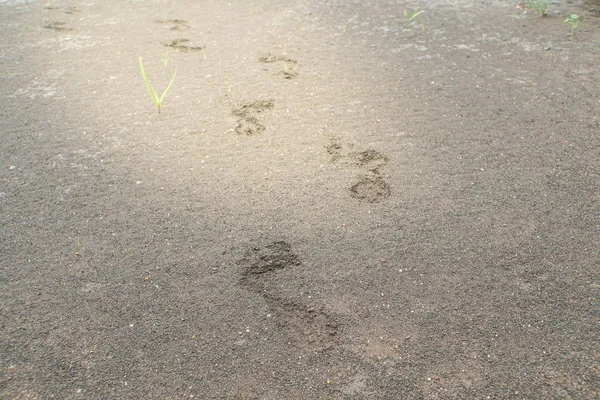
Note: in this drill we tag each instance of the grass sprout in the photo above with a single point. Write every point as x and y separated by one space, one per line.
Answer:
538 6
573 20
151 92
411 21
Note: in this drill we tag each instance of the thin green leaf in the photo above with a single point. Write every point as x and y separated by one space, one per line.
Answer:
151 91
168 87
416 14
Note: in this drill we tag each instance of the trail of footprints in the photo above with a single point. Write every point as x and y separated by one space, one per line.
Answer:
59 26
304 326
248 113
371 187
183 45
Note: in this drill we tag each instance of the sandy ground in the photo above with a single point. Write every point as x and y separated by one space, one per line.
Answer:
335 202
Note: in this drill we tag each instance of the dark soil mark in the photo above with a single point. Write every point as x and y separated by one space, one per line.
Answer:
334 149
305 327
248 124
175 24
180 45
71 10
288 65
371 189
68 10
270 58
255 107
371 159
288 74
277 255
58 26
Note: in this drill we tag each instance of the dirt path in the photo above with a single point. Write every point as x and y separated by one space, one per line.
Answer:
334 202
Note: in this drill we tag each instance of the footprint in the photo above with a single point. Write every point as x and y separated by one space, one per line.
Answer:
68 10
248 123
181 45
57 26
71 10
270 58
288 65
371 188
371 159
303 325
254 107
334 149
249 126
175 24
267 259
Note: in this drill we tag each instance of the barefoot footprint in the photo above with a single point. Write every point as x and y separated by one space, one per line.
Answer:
248 122
183 46
372 187
58 26
175 24
288 65
304 326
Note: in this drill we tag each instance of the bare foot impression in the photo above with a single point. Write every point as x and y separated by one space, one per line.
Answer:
58 26
288 65
304 326
371 188
183 46
248 123
174 24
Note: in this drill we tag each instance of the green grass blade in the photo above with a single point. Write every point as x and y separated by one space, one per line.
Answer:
416 14
151 91
168 87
